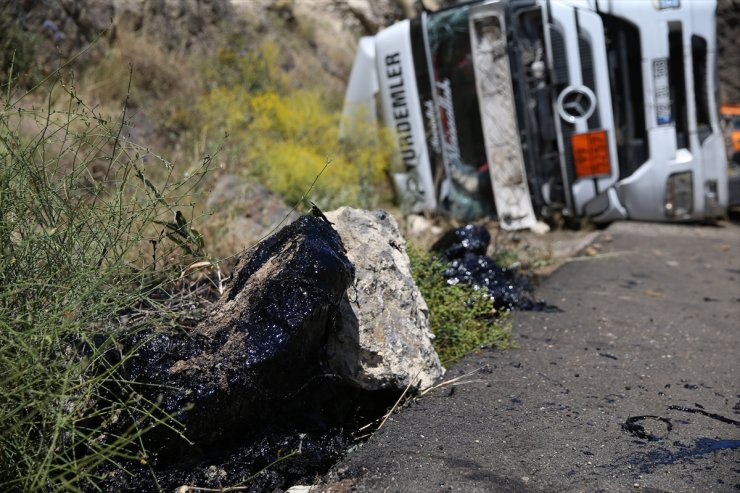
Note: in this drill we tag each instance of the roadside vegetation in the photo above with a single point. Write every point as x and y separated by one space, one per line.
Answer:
91 248
281 133
102 237
268 126
462 318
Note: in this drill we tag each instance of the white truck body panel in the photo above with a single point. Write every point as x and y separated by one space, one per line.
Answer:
402 113
656 57
362 87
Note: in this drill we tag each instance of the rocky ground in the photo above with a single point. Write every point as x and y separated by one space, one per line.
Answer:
728 52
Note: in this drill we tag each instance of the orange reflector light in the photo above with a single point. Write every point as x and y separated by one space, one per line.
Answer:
591 154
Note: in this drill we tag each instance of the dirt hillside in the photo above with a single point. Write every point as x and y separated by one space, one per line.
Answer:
728 50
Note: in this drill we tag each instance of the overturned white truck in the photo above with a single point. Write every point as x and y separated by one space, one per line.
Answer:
602 109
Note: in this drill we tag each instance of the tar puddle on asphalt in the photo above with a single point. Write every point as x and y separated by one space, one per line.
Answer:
634 426
656 428
647 462
705 413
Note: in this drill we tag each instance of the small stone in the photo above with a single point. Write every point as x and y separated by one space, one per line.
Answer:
418 225
540 228
299 489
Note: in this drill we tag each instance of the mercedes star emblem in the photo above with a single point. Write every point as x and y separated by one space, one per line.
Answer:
576 102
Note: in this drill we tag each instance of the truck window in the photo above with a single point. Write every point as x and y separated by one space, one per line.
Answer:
623 51
677 84
701 94
459 128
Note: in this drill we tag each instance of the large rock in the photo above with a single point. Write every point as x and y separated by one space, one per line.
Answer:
383 339
258 361
252 384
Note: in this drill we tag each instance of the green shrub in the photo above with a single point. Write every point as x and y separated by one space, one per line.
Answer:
88 244
282 133
462 318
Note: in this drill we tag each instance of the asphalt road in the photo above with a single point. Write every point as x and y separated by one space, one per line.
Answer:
649 327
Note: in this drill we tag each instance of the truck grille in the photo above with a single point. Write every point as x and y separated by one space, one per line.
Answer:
559 58
587 75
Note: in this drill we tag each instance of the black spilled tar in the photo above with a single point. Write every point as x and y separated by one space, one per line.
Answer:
646 463
464 250
633 426
718 417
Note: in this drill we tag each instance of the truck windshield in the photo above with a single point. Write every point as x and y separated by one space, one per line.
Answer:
457 134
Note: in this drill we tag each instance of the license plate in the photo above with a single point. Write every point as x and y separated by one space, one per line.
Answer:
662 92
667 4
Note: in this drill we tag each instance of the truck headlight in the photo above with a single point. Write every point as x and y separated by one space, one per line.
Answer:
679 195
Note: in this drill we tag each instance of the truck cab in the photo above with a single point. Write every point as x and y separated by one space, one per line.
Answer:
525 109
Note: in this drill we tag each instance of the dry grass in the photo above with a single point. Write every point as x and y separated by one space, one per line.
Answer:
76 277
